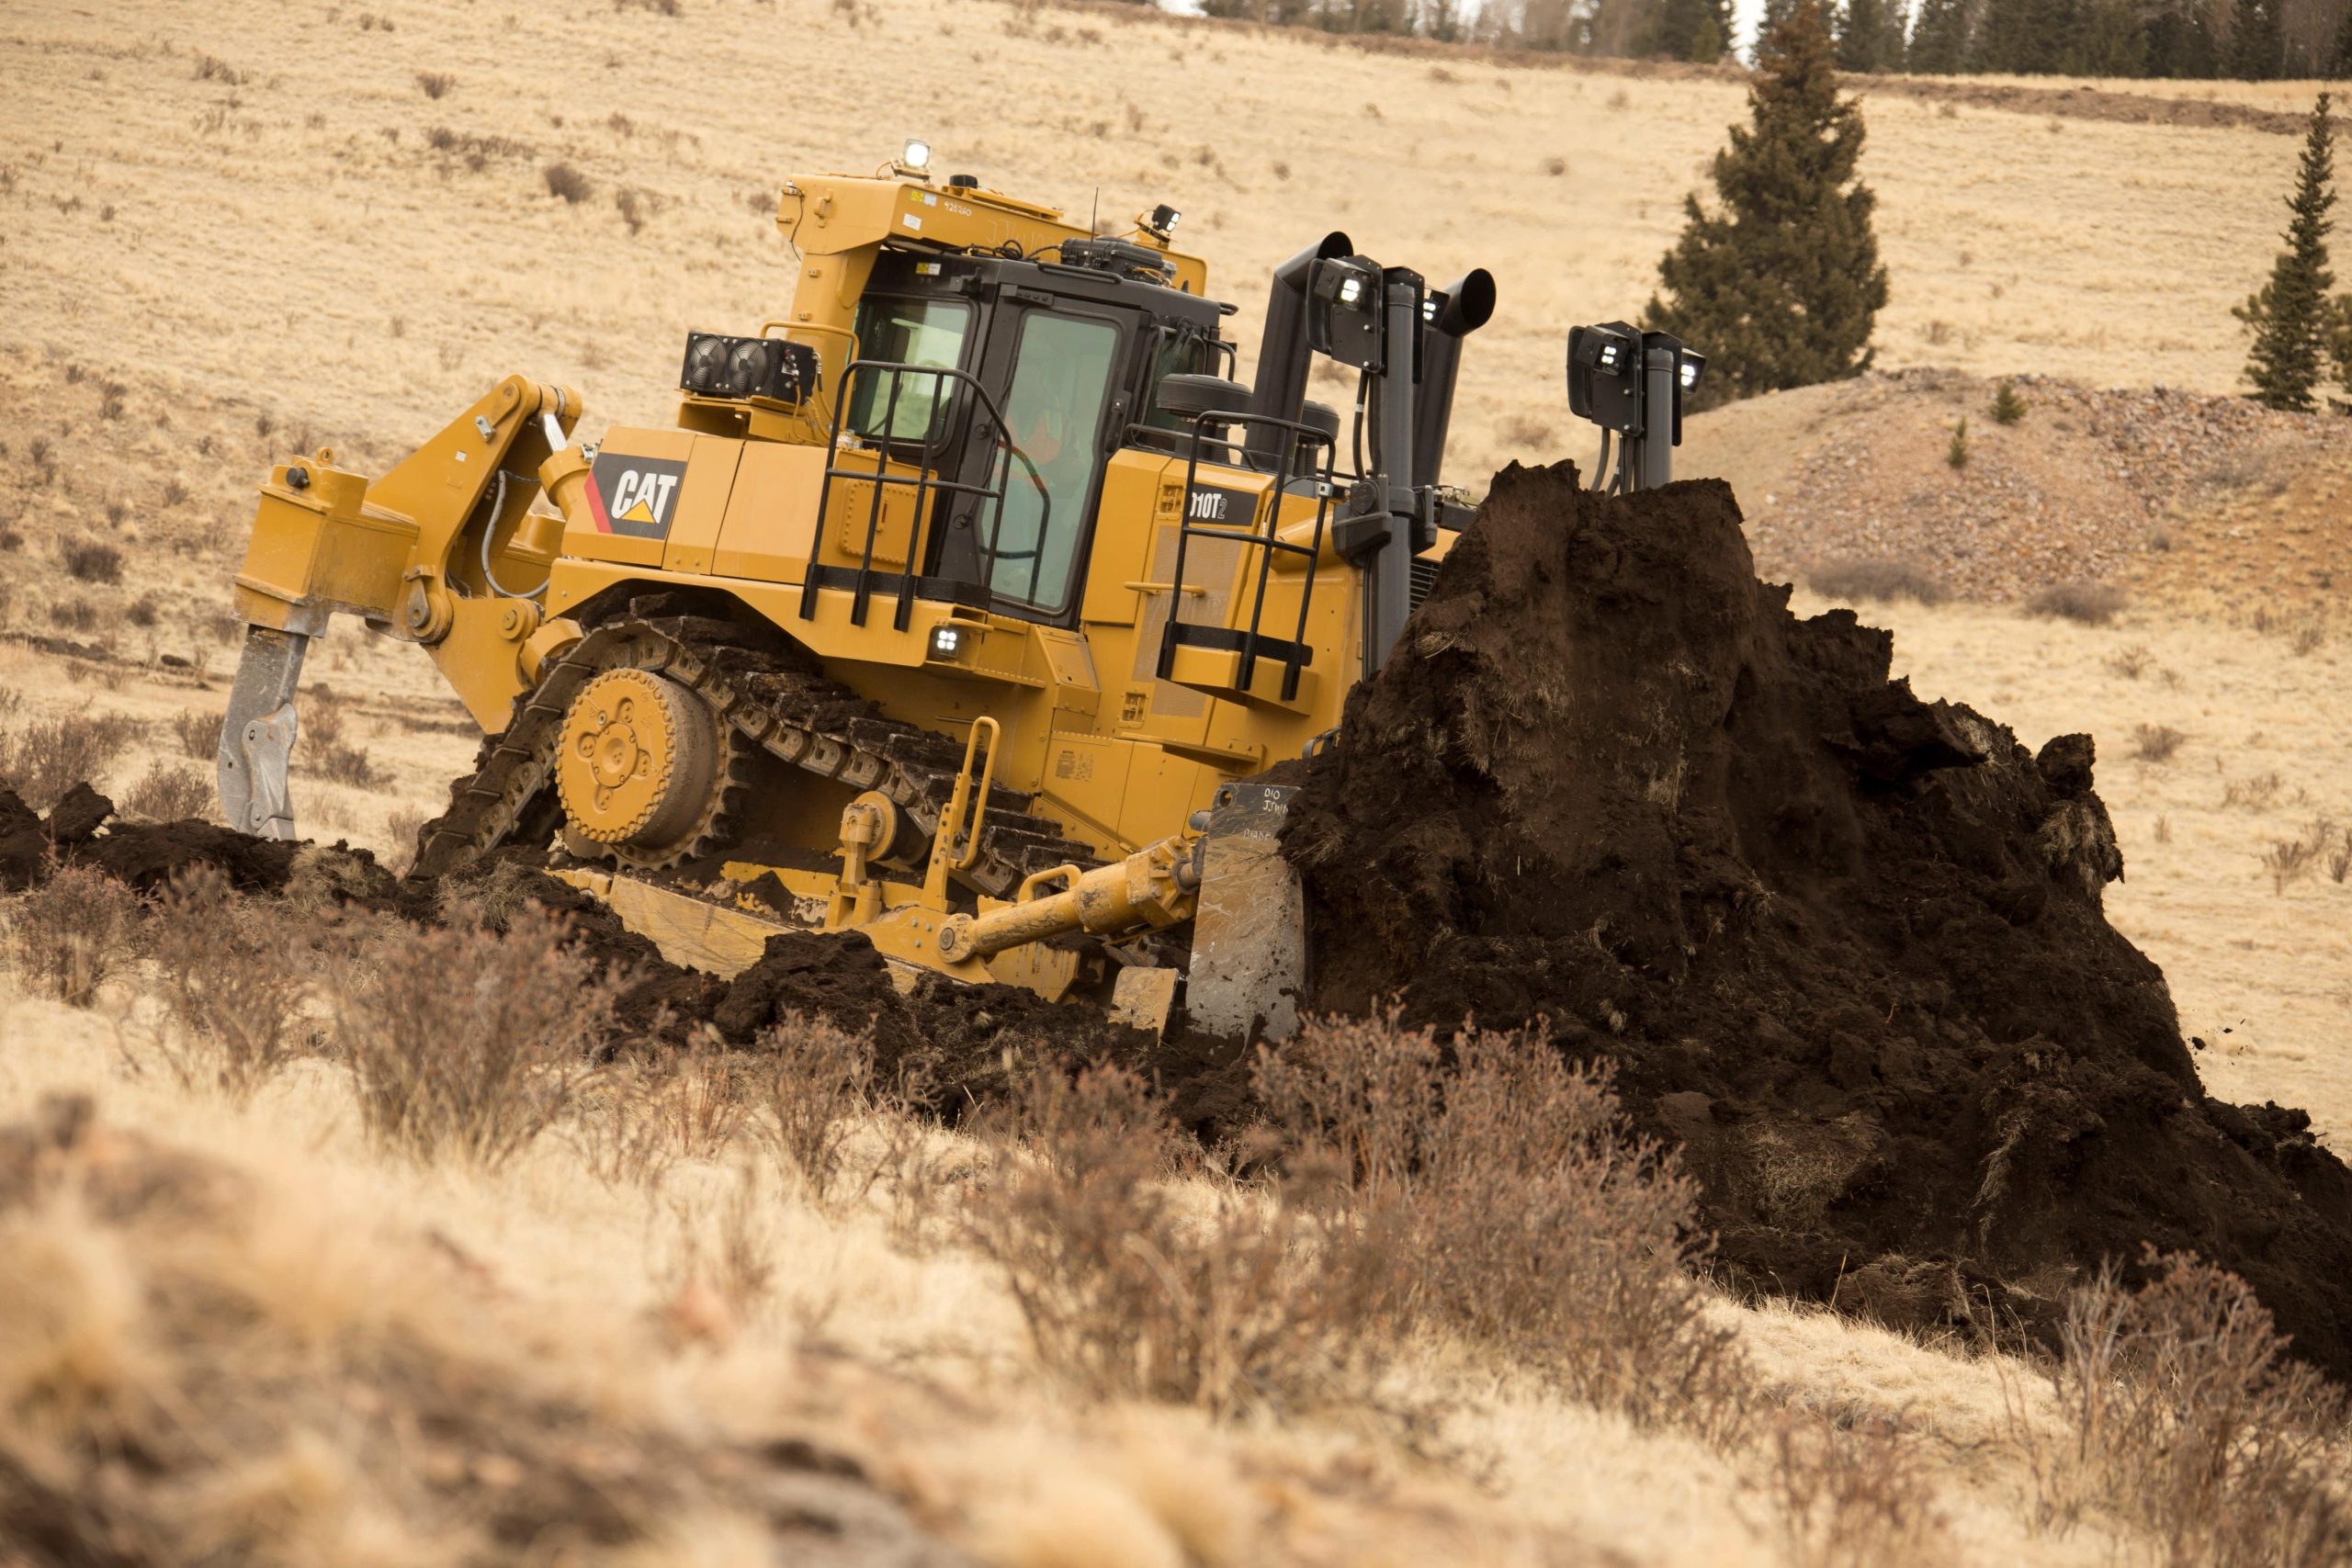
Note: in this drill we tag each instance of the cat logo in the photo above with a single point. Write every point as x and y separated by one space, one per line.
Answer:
634 497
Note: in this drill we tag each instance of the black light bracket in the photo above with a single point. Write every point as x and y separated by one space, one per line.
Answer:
1632 384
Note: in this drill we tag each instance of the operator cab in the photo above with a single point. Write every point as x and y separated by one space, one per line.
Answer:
1014 381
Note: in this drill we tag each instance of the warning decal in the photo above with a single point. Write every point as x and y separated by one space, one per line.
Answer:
634 497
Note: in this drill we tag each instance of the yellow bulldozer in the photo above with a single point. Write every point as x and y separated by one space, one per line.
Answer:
962 608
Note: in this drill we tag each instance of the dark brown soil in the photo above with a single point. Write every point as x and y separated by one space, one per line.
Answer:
1845 945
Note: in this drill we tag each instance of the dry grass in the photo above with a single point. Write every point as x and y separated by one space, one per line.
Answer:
236 974
85 560
1129 1288
69 936
1880 579
479 1062
2084 603
41 758
2176 1406
2155 742
2185 217
646 1318
170 792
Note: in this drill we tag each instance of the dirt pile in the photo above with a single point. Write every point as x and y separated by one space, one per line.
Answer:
1846 946
2161 489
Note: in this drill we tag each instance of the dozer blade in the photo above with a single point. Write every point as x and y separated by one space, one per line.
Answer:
257 737
1248 966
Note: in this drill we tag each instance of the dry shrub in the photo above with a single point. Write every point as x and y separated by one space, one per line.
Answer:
236 974
1132 1287
2175 1407
815 1078
1876 576
68 935
2155 742
1852 1495
75 614
2254 794
339 762
436 84
86 560
470 1043
199 733
569 183
1517 1208
403 824
43 759
2084 603
2291 859
2132 662
170 792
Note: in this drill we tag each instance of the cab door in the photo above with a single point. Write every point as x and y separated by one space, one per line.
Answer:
1056 368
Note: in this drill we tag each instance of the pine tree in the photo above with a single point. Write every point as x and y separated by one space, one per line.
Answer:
2020 36
2339 58
1780 286
1957 454
1862 35
1940 40
2290 315
2108 40
2007 407
1693 29
2254 42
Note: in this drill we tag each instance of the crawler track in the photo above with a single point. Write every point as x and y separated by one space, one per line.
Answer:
816 724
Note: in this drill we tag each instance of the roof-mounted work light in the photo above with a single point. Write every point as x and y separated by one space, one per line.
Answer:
1343 308
914 158
1159 222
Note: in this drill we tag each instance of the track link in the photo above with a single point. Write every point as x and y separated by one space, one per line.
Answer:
818 726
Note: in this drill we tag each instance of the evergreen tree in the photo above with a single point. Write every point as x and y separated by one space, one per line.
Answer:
2007 407
2290 314
1862 35
2024 37
1775 13
1939 40
1780 286
2109 39
1693 29
2254 42
2180 42
2338 65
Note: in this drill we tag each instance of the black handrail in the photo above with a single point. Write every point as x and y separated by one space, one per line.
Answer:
937 444
1295 653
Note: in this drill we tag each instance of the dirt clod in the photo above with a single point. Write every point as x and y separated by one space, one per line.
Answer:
1846 945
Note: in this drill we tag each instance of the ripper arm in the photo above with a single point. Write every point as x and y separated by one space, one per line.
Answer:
445 551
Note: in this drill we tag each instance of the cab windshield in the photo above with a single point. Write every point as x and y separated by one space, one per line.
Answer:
884 406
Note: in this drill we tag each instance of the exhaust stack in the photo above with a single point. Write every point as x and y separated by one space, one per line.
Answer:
1455 311
1280 389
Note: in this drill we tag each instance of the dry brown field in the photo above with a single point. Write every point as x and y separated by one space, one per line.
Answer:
236 232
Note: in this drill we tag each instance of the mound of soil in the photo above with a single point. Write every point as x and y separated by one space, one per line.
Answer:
1844 946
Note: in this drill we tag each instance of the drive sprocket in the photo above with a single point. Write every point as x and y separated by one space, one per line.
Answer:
646 772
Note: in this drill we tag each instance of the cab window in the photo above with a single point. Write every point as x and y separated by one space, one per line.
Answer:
907 331
1054 410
